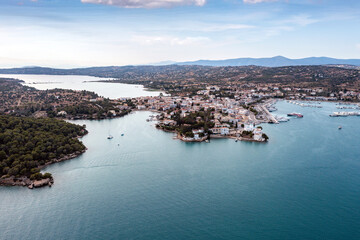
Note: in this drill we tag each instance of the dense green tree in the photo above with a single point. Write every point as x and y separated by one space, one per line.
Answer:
265 136
27 143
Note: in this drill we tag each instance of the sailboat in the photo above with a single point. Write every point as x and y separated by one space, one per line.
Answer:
110 136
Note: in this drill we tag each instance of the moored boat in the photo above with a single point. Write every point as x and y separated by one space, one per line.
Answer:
298 115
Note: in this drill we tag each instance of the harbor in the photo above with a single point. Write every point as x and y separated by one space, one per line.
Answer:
309 104
344 114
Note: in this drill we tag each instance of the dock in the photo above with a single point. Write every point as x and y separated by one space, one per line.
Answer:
270 117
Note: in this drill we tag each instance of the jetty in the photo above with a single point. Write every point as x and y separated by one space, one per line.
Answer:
270 117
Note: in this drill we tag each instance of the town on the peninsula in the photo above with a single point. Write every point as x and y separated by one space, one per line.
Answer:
196 104
196 111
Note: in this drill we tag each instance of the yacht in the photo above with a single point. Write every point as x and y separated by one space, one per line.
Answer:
298 115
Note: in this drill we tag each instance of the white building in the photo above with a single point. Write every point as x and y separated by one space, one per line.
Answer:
249 127
62 113
258 134
220 130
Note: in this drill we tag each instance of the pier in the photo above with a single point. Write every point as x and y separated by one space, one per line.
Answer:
270 117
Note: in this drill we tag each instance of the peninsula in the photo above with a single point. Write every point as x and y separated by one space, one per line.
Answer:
19 100
28 144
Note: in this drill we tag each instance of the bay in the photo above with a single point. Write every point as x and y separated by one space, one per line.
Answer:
303 184
89 83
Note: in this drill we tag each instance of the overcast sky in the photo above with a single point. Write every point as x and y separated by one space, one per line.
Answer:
77 33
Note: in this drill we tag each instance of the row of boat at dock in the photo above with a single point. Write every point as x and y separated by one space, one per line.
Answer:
289 115
309 104
349 107
271 108
344 114
346 106
152 118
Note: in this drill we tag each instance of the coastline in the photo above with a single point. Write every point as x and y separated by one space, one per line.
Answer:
26 182
212 136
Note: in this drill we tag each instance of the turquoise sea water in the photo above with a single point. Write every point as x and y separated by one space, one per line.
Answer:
109 90
303 184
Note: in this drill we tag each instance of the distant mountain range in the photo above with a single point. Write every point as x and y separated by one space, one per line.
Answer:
278 61
117 71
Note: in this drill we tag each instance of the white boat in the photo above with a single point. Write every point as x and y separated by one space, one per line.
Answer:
282 119
110 137
344 114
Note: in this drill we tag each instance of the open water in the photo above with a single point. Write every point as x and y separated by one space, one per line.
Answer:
303 184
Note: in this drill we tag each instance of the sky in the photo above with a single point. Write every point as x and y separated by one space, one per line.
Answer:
84 33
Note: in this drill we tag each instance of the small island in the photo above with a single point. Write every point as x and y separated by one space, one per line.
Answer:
29 144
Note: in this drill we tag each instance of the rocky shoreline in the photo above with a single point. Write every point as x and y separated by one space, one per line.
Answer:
212 136
26 182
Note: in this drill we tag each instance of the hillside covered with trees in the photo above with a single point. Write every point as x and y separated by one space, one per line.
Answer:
17 99
27 144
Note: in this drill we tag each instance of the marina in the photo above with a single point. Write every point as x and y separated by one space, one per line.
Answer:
349 107
344 114
310 104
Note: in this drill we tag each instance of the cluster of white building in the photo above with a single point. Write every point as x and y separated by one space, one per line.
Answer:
229 114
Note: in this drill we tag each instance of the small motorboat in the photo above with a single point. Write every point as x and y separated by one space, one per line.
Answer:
110 137
340 127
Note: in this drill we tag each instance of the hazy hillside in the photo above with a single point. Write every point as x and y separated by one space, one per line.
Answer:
278 61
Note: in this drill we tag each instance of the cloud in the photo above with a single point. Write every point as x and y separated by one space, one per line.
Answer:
274 31
301 20
258 1
358 45
290 24
169 40
224 27
147 3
